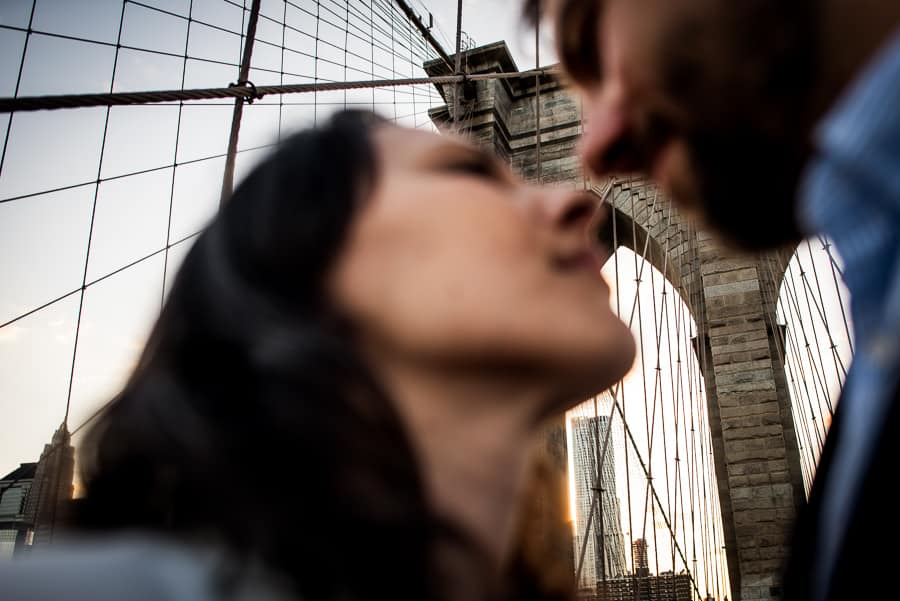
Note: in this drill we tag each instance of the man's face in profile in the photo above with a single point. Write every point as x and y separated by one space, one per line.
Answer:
710 97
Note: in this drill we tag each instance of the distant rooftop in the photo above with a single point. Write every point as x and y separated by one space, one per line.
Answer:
23 472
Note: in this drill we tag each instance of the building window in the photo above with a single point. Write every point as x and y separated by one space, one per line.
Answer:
12 501
7 543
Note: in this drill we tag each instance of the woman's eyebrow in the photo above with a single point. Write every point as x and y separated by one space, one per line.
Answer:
453 155
459 153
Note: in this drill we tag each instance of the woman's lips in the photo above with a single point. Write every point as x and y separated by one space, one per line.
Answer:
661 167
583 260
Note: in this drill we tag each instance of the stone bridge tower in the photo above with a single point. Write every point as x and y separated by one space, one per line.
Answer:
731 297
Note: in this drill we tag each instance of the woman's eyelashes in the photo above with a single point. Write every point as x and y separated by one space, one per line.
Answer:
478 166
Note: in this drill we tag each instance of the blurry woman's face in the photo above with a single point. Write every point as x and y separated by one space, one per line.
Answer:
453 262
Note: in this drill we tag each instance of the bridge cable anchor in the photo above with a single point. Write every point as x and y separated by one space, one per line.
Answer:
254 94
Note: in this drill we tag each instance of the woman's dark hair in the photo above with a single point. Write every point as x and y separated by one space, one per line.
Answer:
250 420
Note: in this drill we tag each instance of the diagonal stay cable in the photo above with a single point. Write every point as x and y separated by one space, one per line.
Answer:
98 280
817 299
128 174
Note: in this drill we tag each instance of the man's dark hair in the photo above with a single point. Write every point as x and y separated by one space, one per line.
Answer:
575 32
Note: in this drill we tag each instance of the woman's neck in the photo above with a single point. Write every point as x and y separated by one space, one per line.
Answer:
474 441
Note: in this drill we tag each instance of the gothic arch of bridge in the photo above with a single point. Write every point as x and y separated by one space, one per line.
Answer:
732 299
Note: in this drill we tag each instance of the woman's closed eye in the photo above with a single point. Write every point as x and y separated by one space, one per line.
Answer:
477 165
473 167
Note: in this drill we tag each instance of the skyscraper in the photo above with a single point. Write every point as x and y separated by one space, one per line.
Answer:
34 497
639 552
604 555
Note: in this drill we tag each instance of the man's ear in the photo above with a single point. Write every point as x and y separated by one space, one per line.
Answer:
531 11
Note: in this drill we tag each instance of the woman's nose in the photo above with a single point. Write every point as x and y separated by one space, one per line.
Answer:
567 210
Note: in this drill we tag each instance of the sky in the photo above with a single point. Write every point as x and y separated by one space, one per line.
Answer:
44 235
159 169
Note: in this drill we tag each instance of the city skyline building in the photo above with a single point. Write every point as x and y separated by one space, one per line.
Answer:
14 527
604 554
640 557
667 586
35 496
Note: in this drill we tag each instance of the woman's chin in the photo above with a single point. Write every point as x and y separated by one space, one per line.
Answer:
610 363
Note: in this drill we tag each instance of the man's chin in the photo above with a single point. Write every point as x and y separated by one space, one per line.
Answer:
756 236
755 227
745 191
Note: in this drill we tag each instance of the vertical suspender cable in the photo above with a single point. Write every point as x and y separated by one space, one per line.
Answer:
87 257
457 69
613 215
243 75
826 246
316 65
187 38
281 69
411 74
537 103
841 371
393 59
347 45
18 84
372 49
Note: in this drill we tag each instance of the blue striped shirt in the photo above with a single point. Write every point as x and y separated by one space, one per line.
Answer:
851 193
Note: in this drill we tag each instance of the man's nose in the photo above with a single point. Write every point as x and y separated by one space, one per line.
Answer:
605 143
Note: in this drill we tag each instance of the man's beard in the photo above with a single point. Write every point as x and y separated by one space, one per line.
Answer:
748 90
747 187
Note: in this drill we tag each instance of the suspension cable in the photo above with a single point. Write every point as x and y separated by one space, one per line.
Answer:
69 101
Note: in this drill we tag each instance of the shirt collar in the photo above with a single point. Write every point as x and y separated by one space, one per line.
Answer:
861 134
